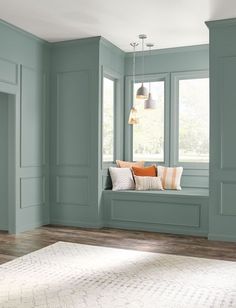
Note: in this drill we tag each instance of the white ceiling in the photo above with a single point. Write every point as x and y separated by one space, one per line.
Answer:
168 23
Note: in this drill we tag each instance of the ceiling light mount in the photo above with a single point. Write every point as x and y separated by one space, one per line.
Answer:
134 44
142 36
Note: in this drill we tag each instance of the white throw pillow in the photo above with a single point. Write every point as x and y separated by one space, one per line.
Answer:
148 183
121 178
170 177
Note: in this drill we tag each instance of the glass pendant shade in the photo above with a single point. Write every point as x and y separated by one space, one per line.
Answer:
133 118
150 103
142 92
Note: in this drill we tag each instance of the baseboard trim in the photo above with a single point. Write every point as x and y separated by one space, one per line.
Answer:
221 237
151 228
31 226
79 224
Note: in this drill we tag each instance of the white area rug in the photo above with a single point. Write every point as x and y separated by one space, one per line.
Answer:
73 275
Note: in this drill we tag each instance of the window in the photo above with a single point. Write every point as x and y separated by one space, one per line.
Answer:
108 119
194 120
148 135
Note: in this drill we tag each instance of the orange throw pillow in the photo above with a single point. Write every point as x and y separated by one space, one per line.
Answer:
145 171
129 164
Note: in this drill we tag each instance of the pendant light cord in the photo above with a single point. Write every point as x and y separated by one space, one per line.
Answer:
150 45
149 80
134 66
143 58
134 45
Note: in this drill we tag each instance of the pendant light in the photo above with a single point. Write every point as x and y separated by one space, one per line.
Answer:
142 92
150 103
133 117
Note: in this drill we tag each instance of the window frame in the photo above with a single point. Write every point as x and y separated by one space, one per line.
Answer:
117 141
174 133
129 103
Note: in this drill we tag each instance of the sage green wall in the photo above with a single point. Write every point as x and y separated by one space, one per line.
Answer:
4 162
24 72
170 60
72 71
168 63
74 133
222 221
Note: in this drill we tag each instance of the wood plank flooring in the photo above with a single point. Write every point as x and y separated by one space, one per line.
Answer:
13 246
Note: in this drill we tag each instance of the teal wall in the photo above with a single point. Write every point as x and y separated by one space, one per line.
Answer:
74 133
24 73
76 168
222 221
54 107
170 60
168 64
183 212
4 162
55 120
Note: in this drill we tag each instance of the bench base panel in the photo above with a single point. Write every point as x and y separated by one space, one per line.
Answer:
180 214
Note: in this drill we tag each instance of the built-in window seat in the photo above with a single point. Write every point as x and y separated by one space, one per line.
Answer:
171 211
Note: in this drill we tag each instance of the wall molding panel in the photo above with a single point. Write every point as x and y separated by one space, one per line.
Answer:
32 114
227 198
157 211
183 214
72 190
8 71
227 67
73 130
32 191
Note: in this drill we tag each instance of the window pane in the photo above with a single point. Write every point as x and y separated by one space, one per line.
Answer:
108 119
148 135
194 120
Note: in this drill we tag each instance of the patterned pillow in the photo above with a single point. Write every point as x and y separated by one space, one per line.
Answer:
170 177
129 164
121 178
148 183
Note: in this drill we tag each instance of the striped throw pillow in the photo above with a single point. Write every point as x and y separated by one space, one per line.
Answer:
148 183
170 177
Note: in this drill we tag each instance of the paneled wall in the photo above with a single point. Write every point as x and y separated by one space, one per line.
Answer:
56 108
74 133
222 222
169 63
24 73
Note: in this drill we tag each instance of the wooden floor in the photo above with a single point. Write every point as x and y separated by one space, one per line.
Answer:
13 246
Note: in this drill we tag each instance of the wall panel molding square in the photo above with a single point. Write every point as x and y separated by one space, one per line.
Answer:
32 191
228 197
8 71
32 117
73 118
227 103
72 190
